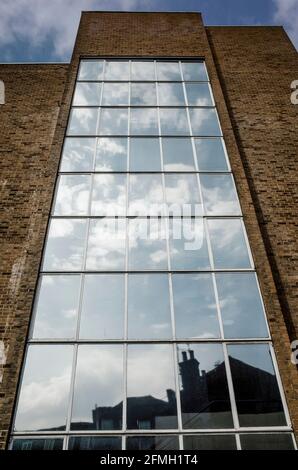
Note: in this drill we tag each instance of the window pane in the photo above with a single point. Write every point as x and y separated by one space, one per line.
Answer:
37 444
143 94
109 195
94 443
98 390
177 154
65 245
188 246
147 244
82 121
56 307
144 154
209 442
171 94
78 154
113 121
152 443
102 315
91 70
44 394
145 194
241 306
117 70
142 70
149 315
219 195
168 71
228 244
276 441
173 121
72 196
115 94
256 390
87 94
106 245
182 191
204 391
143 121
198 94
204 122
111 154
211 155
194 71
195 306
151 402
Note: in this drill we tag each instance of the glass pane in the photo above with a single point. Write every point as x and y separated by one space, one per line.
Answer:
109 195
87 94
152 443
106 245
44 394
209 442
147 244
72 197
205 401
241 306
94 443
115 94
219 195
145 194
228 244
90 70
182 191
37 444
198 94
98 389
142 70
188 246
171 94
65 245
83 121
113 121
276 441
111 154
151 401
102 315
149 315
256 390
204 122
195 306
143 94
177 154
143 121
144 154
78 154
116 70
194 71
56 307
211 154
173 121
168 71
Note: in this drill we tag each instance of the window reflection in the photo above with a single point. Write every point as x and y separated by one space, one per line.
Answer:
204 122
91 70
113 121
173 121
171 94
168 71
209 442
143 94
151 402
143 121
87 94
256 390
144 154
204 391
116 70
78 154
145 195
142 70
72 196
152 443
98 389
111 154
194 71
109 195
266 441
219 195
94 443
115 94
198 94
211 154
183 189
37 444
83 121
149 315
177 154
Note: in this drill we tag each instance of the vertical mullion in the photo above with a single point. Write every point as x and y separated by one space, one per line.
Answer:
176 373
71 389
231 387
209 248
124 391
218 306
238 442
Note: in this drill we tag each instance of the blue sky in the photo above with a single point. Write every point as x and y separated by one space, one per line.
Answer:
44 30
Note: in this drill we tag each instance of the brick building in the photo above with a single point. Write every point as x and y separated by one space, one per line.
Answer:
206 107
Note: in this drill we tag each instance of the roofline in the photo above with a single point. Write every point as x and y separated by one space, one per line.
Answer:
132 12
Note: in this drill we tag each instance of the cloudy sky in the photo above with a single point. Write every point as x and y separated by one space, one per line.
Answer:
43 30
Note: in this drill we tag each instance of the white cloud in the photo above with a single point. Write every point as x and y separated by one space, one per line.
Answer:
287 14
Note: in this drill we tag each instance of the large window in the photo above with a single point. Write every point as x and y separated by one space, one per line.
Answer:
148 328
